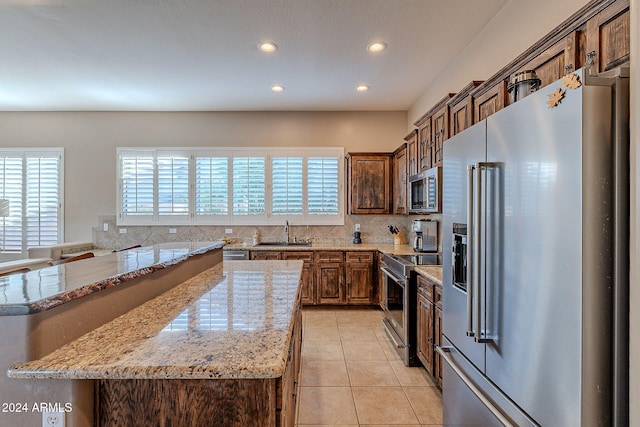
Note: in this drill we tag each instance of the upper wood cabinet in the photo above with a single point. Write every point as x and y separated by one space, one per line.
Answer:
400 181
461 109
369 183
440 128
425 146
490 102
433 129
608 37
412 152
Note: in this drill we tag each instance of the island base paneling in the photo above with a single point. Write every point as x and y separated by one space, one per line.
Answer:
177 402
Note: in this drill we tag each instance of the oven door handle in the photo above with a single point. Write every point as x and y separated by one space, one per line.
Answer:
399 280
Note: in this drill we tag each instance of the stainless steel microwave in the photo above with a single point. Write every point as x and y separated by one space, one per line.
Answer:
425 191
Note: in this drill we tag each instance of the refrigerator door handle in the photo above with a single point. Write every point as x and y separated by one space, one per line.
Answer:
479 282
470 241
444 353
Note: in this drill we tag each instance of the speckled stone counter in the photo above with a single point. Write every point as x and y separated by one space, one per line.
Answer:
234 322
433 273
46 288
319 246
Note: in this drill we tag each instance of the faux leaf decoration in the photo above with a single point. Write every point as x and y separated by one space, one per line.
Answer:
555 98
571 81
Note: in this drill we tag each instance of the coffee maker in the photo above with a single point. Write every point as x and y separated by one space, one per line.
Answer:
426 239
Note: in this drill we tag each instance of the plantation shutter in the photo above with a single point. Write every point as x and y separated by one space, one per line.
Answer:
32 182
323 185
248 186
287 186
212 186
137 184
173 185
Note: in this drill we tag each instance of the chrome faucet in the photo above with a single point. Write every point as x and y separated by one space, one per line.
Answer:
286 230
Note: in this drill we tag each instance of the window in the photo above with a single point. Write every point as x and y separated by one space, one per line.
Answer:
230 186
32 181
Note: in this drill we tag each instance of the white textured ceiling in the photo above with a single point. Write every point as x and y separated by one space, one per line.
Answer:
202 55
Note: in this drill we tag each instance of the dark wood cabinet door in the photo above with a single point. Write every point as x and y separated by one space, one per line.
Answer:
440 128
329 281
369 183
400 181
608 42
307 288
490 102
359 278
425 332
412 152
425 145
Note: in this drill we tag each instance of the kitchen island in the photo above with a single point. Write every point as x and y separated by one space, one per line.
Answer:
44 309
220 348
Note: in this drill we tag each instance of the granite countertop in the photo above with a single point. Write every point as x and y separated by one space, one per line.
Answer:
404 249
234 320
431 272
49 287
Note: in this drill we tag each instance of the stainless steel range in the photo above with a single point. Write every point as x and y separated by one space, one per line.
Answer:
400 299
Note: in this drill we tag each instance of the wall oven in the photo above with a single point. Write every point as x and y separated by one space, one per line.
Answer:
424 191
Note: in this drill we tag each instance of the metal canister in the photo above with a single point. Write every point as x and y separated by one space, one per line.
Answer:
522 84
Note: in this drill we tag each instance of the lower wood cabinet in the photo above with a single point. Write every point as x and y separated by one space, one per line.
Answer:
429 326
359 278
308 290
332 277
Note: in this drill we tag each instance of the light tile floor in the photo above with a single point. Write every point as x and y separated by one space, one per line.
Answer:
352 376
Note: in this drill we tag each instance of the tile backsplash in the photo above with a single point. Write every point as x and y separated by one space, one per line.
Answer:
374 229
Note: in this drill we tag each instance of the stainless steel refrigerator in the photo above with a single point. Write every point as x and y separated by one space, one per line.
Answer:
535 260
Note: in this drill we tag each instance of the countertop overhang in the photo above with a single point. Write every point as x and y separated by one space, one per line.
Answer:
46 288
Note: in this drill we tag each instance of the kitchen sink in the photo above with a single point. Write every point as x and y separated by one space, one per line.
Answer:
284 244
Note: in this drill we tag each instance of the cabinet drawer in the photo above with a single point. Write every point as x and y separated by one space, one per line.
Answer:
437 296
360 257
307 257
425 288
326 256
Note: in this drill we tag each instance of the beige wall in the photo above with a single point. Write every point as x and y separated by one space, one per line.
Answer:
90 140
517 26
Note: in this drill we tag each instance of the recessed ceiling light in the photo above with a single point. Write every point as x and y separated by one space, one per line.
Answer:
268 47
362 88
277 88
376 47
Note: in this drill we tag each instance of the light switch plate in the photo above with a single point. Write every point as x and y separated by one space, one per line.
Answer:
105 226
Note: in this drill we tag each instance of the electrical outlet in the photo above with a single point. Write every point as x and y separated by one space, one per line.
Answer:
123 231
228 230
105 226
172 231
357 227
52 419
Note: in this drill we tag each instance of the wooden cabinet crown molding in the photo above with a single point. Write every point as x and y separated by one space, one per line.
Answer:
434 109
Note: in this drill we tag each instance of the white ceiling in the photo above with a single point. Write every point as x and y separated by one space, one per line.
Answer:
202 55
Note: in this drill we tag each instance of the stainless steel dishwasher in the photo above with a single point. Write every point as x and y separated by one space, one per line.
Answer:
235 255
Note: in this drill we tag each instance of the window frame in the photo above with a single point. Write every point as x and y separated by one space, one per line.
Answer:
268 218
24 154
